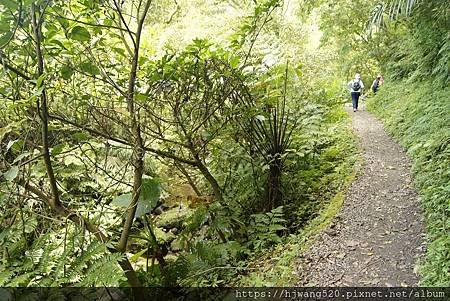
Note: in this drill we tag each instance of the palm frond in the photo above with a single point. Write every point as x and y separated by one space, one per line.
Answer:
390 10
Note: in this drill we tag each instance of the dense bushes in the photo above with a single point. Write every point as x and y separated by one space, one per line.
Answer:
418 114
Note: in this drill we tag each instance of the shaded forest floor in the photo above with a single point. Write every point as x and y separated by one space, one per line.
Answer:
378 236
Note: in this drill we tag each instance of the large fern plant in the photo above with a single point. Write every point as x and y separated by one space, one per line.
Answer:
64 259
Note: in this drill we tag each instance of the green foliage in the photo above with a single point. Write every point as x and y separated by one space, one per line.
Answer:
344 25
265 228
80 33
148 199
417 114
61 259
277 266
187 100
252 25
419 44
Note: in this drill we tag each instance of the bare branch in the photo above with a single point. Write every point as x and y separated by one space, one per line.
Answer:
94 25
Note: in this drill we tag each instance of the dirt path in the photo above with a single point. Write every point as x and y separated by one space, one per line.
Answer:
377 237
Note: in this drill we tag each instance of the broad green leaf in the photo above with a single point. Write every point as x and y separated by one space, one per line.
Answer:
5 38
141 97
80 136
66 72
4 26
64 23
119 51
21 156
80 33
56 42
122 200
137 255
150 193
90 68
234 62
40 80
12 5
57 149
12 173
142 60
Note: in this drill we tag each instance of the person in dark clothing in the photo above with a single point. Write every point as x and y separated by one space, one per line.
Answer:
376 83
356 86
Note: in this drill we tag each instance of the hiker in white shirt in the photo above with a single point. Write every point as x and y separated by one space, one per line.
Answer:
356 86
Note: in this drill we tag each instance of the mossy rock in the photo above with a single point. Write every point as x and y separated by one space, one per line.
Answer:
174 217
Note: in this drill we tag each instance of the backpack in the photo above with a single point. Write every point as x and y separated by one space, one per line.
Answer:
356 85
375 85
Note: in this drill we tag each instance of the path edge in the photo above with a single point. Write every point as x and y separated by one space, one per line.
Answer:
331 211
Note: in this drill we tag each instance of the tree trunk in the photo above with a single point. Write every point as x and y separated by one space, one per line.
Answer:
43 108
275 196
137 158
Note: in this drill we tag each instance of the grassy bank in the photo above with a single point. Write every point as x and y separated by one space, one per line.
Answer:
418 115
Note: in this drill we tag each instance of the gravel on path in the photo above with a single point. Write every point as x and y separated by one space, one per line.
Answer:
378 236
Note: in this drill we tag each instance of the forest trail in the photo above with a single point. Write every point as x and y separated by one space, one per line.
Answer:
378 235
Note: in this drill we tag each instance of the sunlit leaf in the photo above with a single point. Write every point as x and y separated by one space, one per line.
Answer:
150 193
40 80
12 173
234 62
136 256
122 200
260 118
10 144
80 33
12 5
141 97
21 156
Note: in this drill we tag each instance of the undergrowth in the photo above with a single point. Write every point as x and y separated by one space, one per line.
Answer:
418 115
276 267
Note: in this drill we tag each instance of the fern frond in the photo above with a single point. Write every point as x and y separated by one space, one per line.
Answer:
103 272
